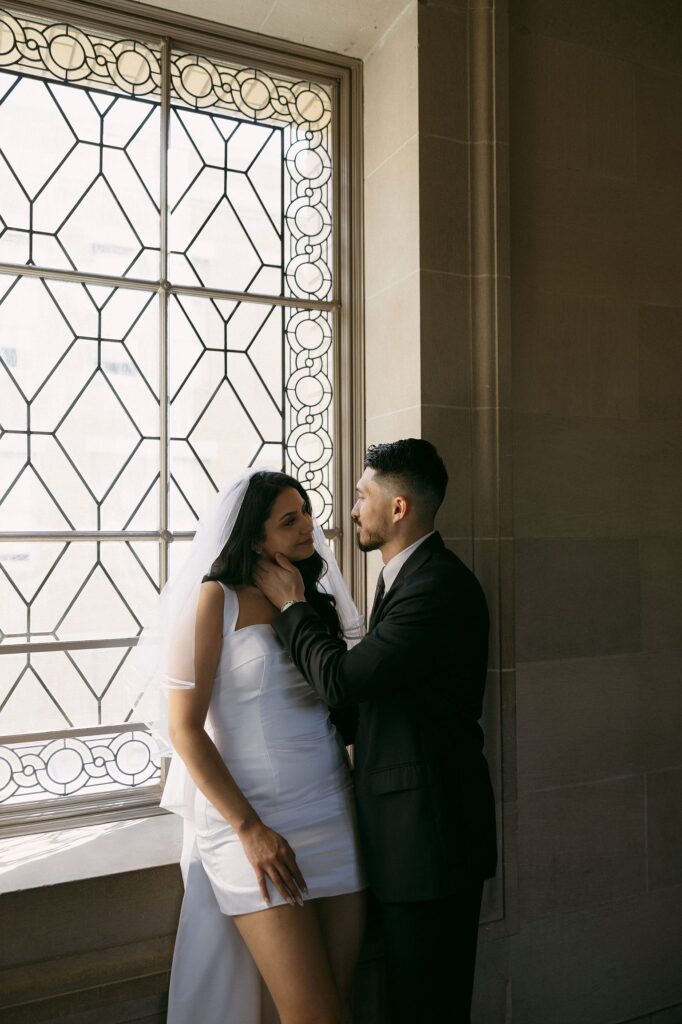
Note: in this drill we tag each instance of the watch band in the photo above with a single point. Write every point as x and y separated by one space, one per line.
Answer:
288 604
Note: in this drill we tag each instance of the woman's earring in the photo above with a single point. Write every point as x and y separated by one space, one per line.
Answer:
259 551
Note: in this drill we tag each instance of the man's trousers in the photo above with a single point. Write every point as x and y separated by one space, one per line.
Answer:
430 954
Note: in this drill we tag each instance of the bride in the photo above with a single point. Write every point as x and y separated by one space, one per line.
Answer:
273 911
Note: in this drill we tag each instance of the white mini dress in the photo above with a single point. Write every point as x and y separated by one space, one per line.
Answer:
276 738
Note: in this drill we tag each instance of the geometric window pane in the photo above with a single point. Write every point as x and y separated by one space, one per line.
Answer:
75 591
225 222
309 406
250 183
52 767
62 591
64 689
81 365
84 441
79 158
225 372
240 398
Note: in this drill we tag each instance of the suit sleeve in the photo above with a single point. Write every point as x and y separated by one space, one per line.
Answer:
385 662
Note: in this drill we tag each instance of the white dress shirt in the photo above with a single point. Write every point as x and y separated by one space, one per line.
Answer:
395 564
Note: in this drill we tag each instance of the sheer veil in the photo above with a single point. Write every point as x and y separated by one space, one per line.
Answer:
164 656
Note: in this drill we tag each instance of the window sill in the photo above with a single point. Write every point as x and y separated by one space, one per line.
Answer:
90 851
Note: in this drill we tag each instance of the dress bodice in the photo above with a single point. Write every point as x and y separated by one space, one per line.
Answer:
271 728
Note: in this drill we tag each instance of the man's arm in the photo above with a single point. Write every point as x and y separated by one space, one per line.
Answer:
383 663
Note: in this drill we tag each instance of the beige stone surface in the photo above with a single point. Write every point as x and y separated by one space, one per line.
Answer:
573 106
593 718
443 220
392 357
352 27
575 355
565 967
649 33
578 477
97 913
502 200
391 426
660 363
71 854
443 72
660 560
450 431
572 232
576 598
493 564
659 245
483 184
392 212
391 90
664 828
444 337
658 106
482 113
659 481
570 857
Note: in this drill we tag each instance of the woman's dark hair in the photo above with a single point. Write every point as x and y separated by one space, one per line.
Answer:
235 564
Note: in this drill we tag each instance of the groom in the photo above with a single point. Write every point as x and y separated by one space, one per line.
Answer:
425 804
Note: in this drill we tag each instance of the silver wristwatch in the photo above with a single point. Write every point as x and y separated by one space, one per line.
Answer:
288 605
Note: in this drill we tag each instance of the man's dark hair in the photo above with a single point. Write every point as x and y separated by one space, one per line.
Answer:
416 466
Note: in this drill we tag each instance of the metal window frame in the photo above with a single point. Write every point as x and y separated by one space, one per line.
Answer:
344 76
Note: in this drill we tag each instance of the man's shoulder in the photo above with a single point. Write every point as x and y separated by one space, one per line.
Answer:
444 561
443 569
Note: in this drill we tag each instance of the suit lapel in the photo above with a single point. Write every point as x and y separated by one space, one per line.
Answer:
418 558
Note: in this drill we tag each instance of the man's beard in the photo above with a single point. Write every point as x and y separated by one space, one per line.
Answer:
373 544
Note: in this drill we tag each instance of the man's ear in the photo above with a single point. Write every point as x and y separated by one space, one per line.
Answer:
400 507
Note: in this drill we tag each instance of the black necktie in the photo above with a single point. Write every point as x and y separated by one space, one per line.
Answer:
378 595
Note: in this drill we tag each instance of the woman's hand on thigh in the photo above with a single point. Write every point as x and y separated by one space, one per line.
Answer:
271 857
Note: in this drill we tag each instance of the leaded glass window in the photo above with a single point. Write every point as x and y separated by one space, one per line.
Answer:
167 316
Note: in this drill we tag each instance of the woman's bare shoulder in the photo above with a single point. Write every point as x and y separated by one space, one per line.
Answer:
211 595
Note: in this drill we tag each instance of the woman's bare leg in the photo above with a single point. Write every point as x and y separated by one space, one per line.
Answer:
268 1011
342 921
289 949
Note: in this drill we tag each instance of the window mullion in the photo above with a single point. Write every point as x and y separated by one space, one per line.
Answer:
164 442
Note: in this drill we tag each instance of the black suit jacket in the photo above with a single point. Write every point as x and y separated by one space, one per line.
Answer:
425 804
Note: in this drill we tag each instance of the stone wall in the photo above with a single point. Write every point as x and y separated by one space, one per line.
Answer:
596 265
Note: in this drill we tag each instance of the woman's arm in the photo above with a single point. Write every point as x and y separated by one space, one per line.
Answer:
268 852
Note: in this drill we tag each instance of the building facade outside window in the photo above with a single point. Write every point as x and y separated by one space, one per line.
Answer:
178 300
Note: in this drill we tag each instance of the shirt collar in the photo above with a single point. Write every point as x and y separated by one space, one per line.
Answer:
395 564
